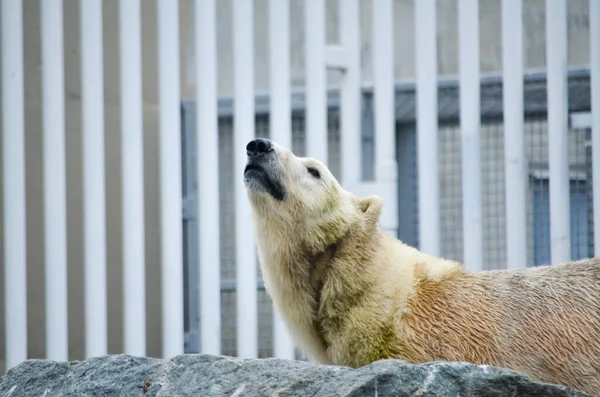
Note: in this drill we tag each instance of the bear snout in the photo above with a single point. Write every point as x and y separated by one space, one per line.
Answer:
259 147
260 153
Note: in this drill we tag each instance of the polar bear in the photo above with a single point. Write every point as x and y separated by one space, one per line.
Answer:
351 294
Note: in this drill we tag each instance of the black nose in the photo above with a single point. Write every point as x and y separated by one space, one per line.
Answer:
259 147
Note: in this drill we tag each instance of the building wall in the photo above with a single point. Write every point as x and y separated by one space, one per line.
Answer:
404 70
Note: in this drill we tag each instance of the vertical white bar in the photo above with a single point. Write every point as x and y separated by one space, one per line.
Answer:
55 209
280 103
13 166
132 170
246 293
170 178
558 142
281 128
514 141
383 79
283 345
595 88
351 94
427 126
316 84
207 152
468 32
92 98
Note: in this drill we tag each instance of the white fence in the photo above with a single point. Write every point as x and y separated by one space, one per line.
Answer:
346 57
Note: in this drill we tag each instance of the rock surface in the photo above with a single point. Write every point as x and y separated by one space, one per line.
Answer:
205 375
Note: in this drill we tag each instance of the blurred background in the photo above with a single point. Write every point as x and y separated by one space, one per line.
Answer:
124 125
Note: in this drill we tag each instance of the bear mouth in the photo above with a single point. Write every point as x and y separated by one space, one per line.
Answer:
255 173
252 167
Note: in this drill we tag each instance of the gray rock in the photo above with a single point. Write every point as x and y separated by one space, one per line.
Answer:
205 375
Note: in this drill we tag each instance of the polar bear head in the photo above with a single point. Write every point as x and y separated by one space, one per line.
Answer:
301 196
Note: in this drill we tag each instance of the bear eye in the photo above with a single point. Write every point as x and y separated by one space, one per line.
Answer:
314 172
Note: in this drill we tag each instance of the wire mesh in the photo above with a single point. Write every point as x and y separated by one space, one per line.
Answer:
450 179
227 240
536 138
590 194
578 194
493 194
408 185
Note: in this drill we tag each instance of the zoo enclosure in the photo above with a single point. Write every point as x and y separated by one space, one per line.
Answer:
410 138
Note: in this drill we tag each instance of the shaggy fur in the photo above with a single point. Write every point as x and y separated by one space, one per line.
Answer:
350 294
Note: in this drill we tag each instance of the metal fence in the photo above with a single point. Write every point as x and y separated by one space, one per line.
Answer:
490 172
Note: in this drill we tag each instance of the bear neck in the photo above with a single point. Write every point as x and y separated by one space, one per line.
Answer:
298 266
297 253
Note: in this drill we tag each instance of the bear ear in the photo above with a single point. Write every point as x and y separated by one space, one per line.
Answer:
370 207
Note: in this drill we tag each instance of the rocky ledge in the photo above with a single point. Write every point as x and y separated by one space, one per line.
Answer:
205 375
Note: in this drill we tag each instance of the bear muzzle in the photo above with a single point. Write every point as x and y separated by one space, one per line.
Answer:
260 153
